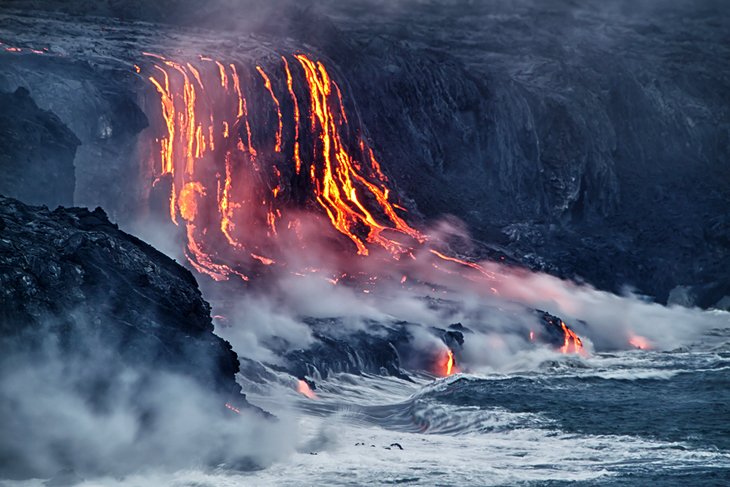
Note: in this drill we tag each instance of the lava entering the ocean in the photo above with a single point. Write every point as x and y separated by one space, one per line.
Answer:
639 342
448 364
304 389
572 343
262 164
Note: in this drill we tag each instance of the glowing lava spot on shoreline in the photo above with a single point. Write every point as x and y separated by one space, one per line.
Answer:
639 342
304 389
446 364
571 342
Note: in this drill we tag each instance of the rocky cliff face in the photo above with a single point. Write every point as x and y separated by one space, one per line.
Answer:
73 270
586 140
101 112
38 150
106 345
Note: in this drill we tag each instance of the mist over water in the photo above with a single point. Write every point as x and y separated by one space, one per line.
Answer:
75 405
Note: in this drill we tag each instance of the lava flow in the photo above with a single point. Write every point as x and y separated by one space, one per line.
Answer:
261 164
447 364
572 343
304 389
639 342
228 177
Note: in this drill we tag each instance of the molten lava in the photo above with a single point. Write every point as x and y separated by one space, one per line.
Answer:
639 342
225 189
447 364
304 389
241 185
232 408
572 343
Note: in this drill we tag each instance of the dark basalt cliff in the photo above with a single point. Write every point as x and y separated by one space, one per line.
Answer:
107 351
38 150
70 272
586 140
100 111
589 139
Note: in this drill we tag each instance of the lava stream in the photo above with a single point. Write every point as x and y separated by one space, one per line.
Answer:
241 190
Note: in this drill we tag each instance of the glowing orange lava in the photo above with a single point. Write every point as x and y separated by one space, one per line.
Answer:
267 83
338 185
572 343
639 342
295 102
472 265
447 364
207 151
233 408
239 189
304 389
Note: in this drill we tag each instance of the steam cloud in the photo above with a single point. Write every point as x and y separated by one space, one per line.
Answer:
77 406
496 304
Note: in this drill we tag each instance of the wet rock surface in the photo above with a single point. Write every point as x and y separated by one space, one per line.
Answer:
336 349
394 349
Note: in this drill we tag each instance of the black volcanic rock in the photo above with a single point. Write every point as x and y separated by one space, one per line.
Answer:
38 150
72 272
94 102
98 327
392 349
375 351
588 140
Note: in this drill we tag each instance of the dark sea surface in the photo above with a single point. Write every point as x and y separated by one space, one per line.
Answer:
680 398
631 418
626 418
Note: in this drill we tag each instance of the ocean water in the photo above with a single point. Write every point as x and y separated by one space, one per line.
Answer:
615 419
629 418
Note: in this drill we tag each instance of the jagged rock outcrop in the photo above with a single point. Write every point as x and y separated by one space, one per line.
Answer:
108 360
106 351
38 150
375 351
72 272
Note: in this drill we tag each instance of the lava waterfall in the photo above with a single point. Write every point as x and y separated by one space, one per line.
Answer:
251 160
